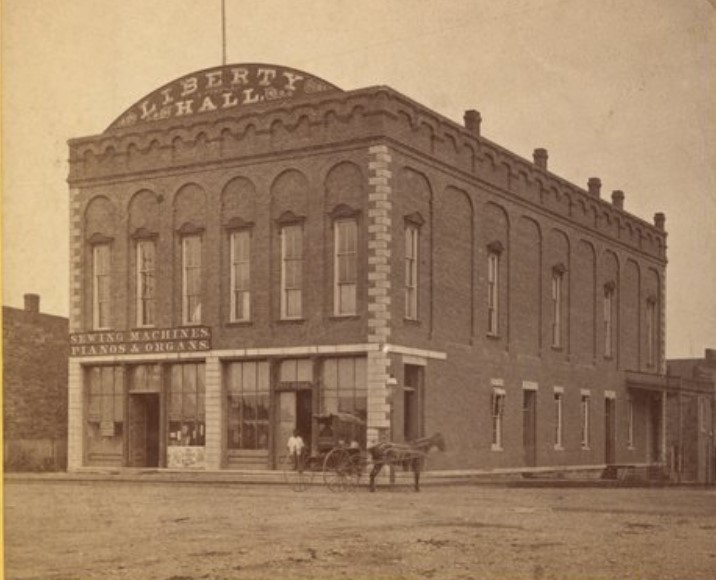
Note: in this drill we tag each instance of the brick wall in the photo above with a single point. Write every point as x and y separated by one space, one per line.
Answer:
35 351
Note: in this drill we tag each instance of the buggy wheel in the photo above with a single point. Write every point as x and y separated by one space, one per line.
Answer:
337 470
354 468
297 474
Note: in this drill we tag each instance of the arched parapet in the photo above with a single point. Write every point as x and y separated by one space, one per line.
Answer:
289 192
189 205
100 218
143 210
239 201
344 183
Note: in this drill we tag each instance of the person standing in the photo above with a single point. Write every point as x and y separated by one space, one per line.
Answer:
295 450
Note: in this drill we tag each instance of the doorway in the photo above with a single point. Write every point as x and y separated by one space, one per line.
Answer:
144 429
529 426
412 399
609 432
295 413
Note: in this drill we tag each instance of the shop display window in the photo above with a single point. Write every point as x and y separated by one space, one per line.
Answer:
187 393
247 392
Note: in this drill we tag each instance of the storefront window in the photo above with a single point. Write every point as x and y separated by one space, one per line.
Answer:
105 412
345 386
186 405
248 405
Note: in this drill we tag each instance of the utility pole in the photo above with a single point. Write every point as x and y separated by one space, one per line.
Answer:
223 32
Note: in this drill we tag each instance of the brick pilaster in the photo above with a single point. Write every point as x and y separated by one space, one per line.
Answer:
214 416
75 424
75 262
380 239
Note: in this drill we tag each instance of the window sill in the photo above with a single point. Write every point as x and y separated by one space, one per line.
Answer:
631 448
344 317
291 321
238 323
496 447
586 448
557 348
493 336
558 447
411 321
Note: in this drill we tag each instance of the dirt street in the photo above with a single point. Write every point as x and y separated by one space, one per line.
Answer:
100 530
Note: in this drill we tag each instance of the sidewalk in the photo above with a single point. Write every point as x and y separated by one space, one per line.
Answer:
503 478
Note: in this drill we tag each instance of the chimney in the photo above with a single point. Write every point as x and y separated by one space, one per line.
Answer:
594 185
659 220
618 199
32 303
540 158
472 121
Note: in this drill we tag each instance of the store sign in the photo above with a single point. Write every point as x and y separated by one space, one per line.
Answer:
150 341
219 89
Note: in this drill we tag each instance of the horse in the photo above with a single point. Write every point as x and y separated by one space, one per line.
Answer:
411 455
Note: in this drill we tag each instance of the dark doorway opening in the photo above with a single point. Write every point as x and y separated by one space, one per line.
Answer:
304 414
144 429
529 426
412 402
609 432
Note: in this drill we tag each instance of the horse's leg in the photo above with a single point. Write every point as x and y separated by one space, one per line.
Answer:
373 473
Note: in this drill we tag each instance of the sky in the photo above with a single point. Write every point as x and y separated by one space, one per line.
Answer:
619 90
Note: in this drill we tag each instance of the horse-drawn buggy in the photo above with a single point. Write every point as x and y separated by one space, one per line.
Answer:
337 456
341 461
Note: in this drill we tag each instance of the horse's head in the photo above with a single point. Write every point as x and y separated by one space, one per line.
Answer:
439 441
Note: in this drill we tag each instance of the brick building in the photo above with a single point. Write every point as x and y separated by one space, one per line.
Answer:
35 354
251 245
691 411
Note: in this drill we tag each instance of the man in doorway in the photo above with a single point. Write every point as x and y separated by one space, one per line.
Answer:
295 450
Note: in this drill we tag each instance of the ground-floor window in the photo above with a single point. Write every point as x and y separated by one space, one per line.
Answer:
345 388
186 405
105 411
247 397
585 412
498 411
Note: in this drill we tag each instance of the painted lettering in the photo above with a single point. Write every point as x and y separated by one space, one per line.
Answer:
230 100
189 85
266 76
214 79
147 111
184 108
167 96
249 97
291 78
207 105
240 76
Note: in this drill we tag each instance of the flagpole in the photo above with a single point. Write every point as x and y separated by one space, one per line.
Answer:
223 32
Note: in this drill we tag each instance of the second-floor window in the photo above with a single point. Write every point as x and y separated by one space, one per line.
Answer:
651 332
146 282
557 288
412 234
493 274
558 421
240 276
100 286
585 421
191 279
291 271
346 265
498 410
608 320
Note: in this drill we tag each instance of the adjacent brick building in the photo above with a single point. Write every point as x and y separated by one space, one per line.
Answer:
692 408
251 245
35 354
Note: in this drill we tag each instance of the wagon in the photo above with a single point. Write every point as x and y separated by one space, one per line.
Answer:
337 455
